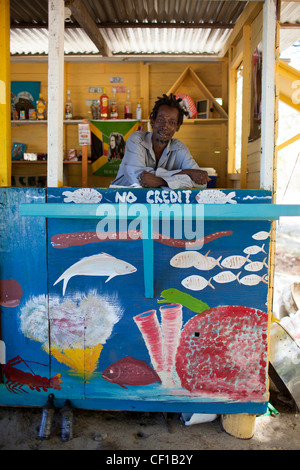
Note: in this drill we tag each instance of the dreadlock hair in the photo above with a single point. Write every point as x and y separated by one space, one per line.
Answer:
171 101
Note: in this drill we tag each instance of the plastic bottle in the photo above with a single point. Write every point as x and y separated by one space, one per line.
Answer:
47 418
22 110
127 107
138 111
104 105
67 422
68 106
114 106
41 108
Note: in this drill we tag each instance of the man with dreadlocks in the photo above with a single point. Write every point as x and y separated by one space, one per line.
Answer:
155 159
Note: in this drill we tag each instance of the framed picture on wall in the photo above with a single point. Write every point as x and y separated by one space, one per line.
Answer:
24 92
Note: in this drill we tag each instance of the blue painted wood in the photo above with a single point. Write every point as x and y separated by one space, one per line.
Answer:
35 399
131 294
23 263
148 258
211 211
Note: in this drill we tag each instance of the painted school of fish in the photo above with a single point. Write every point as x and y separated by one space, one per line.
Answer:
189 259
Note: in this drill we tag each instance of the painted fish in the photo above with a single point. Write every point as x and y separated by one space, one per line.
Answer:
205 263
185 259
214 196
222 353
226 276
254 249
234 261
252 280
256 265
176 296
196 282
130 371
261 235
10 293
96 265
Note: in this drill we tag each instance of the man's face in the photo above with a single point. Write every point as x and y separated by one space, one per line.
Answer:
165 125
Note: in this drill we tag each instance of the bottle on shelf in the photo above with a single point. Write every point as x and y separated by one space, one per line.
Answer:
127 107
68 106
138 111
41 110
22 110
114 106
104 101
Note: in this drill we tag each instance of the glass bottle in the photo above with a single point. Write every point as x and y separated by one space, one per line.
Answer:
127 107
41 108
104 105
68 106
114 106
138 111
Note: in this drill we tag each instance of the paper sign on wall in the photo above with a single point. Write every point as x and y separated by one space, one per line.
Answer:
84 134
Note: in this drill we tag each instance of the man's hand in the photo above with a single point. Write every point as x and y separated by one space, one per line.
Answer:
149 180
198 176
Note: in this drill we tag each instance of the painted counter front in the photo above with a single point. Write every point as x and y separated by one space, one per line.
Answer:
76 319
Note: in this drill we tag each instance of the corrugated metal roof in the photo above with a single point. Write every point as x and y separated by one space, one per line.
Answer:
131 27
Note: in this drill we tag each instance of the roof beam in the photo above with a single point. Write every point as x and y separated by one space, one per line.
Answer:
86 22
247 16
130 24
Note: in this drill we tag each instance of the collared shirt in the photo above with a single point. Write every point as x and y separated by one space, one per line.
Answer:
139 156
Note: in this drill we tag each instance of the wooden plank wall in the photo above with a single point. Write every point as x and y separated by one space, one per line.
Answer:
207 142
254 156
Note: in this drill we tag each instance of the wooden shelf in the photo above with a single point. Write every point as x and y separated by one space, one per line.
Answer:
25 122
205 121
26 162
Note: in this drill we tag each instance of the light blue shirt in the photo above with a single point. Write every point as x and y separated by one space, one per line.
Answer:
139 156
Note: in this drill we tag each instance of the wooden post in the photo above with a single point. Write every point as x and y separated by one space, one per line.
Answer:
5 112
231 113
268 96
240 425
84 166
55 93
246 104
144 89
84 159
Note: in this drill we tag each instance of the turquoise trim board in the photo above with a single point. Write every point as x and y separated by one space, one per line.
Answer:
210 212
159 322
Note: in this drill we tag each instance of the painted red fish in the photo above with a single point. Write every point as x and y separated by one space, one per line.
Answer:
10 293
223 352
130 371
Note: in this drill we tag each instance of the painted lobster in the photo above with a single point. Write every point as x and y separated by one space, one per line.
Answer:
16 379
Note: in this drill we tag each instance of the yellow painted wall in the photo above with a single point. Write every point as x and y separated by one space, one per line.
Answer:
207 142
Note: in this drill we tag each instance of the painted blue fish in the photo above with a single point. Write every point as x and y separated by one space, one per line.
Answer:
130 371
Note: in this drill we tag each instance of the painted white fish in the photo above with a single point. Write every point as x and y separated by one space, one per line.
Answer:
234 261
196 282
256 265
226 276
205 263
185 259
252 280
254 249
83 195
261 235
214 196
96 265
